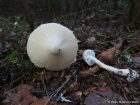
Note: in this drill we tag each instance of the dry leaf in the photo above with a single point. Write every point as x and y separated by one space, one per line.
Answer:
104 89
90 41
138 47
127 90
137 60
18 88
38 75
32 82
80 52
91 89
104 99
86 93
74 96
23 98
47 76
54 84
73 87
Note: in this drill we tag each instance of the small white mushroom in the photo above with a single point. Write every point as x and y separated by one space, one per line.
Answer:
89 57
52 46
15 24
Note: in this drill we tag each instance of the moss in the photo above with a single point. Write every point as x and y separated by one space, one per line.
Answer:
16 59
129 61
19 21
13 58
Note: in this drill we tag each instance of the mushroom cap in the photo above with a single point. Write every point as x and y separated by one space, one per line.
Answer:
52 46
87 54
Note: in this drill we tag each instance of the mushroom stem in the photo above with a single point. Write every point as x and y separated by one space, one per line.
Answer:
88 56
55 50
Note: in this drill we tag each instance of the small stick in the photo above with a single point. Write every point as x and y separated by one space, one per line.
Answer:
129 54
78 14
57 91
3 65
8 28
44 83
49 99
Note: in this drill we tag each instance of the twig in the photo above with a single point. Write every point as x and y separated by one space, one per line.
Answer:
106 7
129 54
8 28
13 52
111 81
98 93
113 89
65 15
3 65
78 14
49 99
18 48
126 27
12 82
136 16
44 83
35 86
57 91
134 38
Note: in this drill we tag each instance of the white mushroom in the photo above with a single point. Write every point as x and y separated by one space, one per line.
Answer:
52 46
89 57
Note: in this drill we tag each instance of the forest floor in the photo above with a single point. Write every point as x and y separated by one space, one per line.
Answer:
23 83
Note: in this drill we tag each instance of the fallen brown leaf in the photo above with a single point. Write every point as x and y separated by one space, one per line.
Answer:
18 88
32 82
38 75
91 89
54 84
74 96
95 99
24 97
127 90
104 89
47 76
90 41
137 60
138 47
80 52
73 87
86 93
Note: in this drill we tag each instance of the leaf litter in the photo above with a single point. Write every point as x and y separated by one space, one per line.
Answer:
88 85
